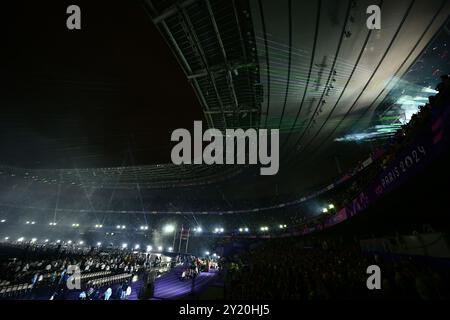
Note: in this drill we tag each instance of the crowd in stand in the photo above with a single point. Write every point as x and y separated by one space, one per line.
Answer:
122 292
104 274
389 152
50 269
24 269
286 269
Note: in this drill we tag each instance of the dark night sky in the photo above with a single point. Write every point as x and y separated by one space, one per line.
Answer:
83 97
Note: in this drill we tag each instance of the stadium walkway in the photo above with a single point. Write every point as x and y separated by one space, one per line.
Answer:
169 285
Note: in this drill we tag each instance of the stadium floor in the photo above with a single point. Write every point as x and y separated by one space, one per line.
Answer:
169 285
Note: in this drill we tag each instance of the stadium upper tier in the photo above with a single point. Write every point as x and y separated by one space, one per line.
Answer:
154 176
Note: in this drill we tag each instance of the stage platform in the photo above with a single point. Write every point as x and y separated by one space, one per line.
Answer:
169 285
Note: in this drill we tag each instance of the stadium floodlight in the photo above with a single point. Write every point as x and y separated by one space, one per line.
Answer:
331 206
117 227
123 227
124 245
28 222
46 240
136 247
52 224
33 240
221 230
264 228
20 239
58 241
99 244
69 242
149 248
33 222
160 248
3 221
207 253
170 249
241 230
169 228
214 255
80 242
246 229
324 210
198 229
6 238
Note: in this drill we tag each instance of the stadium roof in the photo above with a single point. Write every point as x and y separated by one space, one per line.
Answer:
311 69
